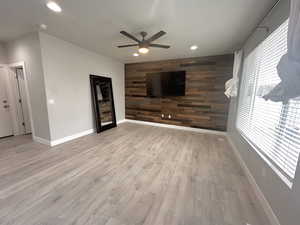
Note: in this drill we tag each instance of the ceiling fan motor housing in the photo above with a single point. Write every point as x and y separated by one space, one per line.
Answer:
144 44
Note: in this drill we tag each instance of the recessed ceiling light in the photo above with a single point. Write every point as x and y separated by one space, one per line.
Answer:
54 6
135 54
143 50
193 47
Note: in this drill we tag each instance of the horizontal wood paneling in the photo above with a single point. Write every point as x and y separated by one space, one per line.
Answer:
203 106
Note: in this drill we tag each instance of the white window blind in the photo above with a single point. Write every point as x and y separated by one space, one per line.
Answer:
272 128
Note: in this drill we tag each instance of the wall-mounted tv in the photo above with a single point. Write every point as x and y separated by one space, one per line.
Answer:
166 84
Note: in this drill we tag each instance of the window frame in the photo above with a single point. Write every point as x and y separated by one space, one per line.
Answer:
273 165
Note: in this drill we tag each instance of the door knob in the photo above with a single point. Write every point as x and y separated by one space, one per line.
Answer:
6 106
4 101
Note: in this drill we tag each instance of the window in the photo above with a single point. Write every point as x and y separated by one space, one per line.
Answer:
272 128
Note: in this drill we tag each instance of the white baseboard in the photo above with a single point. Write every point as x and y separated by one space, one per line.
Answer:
41 140
121 121
198 130
259 194
71 137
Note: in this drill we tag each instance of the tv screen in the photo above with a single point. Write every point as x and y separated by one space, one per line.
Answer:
166 84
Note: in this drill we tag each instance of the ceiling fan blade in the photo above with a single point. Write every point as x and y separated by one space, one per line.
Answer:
156 36
159 46
124 46
130 36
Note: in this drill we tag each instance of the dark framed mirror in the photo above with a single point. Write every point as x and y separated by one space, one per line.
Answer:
103 102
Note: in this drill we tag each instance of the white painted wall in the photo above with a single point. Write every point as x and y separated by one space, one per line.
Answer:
285 202
66 69
27 49
3 54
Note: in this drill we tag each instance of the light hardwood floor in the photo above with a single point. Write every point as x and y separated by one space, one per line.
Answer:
130 175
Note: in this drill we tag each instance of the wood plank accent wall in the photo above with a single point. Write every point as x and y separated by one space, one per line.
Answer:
204 104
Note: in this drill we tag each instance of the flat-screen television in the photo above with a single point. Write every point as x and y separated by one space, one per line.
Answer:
166 84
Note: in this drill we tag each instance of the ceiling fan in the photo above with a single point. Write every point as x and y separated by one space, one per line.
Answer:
144 44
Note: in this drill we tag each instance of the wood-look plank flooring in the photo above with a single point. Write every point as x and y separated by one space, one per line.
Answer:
130 175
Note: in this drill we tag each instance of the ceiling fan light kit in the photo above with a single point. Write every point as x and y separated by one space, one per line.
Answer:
143 50
144 44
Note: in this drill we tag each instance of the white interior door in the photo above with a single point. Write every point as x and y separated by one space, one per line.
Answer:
23 100
6 128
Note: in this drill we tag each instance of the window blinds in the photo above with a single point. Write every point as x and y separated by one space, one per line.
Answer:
272 128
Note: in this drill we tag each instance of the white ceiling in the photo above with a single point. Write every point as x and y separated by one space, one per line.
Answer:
216 26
